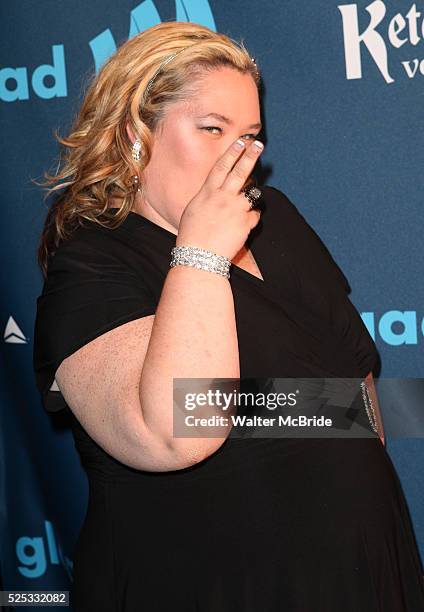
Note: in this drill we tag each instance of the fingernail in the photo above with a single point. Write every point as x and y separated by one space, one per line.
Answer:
239 143
259 146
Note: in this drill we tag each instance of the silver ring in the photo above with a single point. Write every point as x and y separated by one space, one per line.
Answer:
252 194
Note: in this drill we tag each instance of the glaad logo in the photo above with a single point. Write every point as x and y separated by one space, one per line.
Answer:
396 327
15 83
398 33
34 553
145 16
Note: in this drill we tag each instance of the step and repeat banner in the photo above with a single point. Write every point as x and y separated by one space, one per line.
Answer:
342 106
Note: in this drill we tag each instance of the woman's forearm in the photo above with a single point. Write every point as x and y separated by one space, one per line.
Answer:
194 335
374 398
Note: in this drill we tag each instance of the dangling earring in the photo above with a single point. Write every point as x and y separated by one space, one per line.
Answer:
135 150
136 182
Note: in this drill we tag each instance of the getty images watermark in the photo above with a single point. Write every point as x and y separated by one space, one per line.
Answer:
298 407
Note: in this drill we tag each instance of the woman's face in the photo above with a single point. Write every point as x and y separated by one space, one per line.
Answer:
190 142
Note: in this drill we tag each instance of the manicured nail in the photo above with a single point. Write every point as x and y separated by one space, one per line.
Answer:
239 143
259 146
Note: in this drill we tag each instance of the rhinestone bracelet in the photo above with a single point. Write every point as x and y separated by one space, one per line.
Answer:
201 259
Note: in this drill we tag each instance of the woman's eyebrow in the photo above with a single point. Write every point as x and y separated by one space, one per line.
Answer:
227 120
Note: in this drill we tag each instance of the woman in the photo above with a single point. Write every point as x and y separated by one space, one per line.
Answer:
160 157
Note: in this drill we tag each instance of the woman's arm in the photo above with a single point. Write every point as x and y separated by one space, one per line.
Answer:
194 336
369 380
120 385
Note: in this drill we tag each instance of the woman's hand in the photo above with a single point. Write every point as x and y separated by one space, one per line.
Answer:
218 217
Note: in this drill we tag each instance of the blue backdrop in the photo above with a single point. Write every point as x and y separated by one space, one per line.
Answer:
343 92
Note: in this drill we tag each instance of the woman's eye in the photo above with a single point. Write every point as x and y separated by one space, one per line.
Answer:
212 128
251 136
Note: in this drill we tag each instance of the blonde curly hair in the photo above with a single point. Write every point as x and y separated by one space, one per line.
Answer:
96 159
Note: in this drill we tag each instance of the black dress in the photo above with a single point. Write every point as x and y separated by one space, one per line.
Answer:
262 525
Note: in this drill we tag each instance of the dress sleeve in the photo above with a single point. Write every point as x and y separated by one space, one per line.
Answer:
324 286
88 291
303 238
